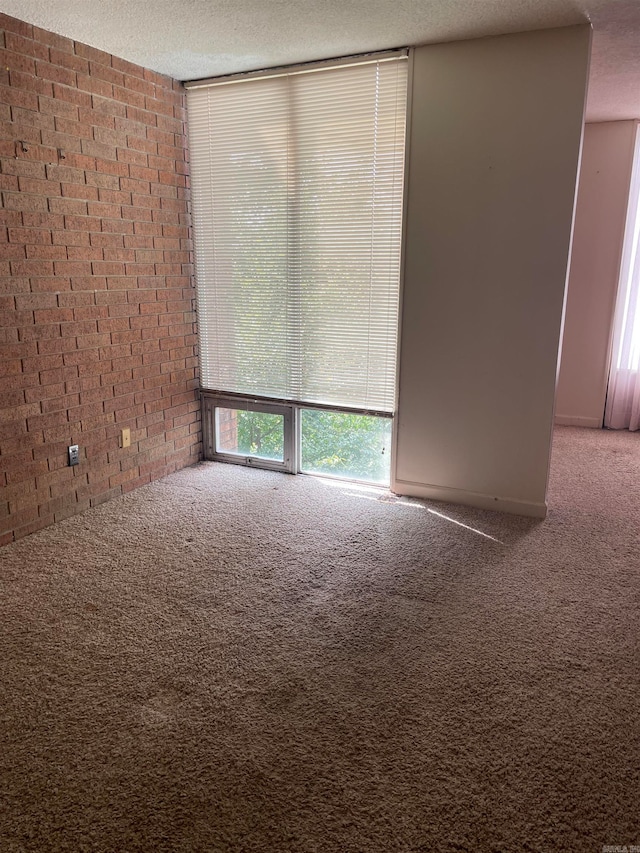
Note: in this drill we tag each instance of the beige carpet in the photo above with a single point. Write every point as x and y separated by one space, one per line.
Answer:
236 660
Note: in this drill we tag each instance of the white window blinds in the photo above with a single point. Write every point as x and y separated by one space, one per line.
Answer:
297 182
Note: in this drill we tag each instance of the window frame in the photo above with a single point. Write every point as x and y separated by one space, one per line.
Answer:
211 402
292 429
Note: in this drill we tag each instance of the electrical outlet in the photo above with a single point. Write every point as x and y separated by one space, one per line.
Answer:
125 437
74 454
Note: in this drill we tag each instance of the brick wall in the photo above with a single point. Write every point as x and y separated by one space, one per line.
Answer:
96 288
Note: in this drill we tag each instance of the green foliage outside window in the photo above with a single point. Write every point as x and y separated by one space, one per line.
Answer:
336 443
260 434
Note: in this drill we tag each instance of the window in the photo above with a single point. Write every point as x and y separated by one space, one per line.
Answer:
623 393
249 432
297 183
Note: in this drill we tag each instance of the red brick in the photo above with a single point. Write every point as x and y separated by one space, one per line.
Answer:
52 345
71 94
138 241
145 87
65 141
80 191
111 241
61 172
95 120
29 235
79 327
26 46
37 422
134 186
161 163
55 107
70 238
114 196
97 149
164 191
32 395
71 207
113 324
108 268
50 283
9 182
92 53
107 104
170 125
111 298
71 127
119 254
53 315
106 72
121 283
22 98
91 312
14 25
117 226
129 155
144 145
68 59
47 252
103 182
25 80
10 368
25 518
31 268
127 96
127 67
112 168
107 211
84 253
79 357
79 161
10 217
158 79
72 268
24 168
137 214
30 301
143 116
12 252
159 106
53 40
82 223
56 73
171 152
143 173
95 282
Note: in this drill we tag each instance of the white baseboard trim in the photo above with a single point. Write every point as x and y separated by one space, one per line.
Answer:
475 499
573 420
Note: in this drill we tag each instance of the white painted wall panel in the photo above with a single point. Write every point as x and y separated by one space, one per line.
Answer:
605 173
495 138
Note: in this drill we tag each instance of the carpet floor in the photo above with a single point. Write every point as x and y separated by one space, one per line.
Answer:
238 660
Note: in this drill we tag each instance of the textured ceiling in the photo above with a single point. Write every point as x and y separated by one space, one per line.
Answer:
203 38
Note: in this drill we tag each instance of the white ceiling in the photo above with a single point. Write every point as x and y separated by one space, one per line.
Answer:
203 38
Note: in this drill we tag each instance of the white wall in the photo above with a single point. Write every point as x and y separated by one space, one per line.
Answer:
605 173
495 137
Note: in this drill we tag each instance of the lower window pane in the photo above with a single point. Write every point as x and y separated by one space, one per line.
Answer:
244 433
357 447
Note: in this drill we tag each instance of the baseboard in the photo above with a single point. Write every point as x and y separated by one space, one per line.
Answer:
475 499
573 420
